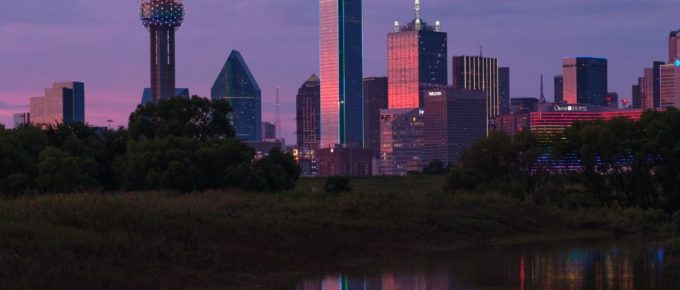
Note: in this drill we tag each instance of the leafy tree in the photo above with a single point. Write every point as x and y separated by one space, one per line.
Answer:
278 170
436 167
58 171
196 117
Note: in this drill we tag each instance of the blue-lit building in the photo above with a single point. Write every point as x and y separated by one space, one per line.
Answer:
341 61
236 84
146 95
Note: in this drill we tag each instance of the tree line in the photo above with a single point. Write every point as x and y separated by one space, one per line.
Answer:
179 144
619 163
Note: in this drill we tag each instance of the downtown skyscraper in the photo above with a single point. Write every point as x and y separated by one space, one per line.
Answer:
64 102
417 58
162 18
585 80
341 61
236 84
478 73
308 118
375 99
674 46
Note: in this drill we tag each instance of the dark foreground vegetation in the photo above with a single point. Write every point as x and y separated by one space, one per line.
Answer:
240 240
180 144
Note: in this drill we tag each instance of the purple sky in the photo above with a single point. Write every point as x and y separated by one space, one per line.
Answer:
103 44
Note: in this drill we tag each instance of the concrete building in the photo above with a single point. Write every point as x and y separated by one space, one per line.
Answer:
558 97
674 46
64 102
504 89
402 141
523 105
268 131
670 86
162 18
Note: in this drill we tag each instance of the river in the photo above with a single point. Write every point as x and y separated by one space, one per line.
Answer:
597 264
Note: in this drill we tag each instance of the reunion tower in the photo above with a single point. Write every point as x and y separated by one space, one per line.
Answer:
162 18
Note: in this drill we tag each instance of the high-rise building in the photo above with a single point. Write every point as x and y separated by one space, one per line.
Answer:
268 131
454 119
670 86
21 119
402 141
650 91
585 80
417 55
559 89
341 60
504 89
308 110
237 85
64 102
179 92
162 18
674 46
375 99
477 73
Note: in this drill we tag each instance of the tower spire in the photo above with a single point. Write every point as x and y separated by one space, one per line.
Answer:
417 9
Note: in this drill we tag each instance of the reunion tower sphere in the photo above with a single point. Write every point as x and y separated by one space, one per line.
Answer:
162 13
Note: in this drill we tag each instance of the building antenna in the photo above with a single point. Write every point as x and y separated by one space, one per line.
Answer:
278 116
417 9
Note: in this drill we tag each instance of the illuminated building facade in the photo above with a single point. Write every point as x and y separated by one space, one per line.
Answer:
504 89
64 102
612 100
559 89
236 84
552 120
341 63
375 99
454 119
162 18
585 80
308 107
512 124
344 161
523 105
670 86
417 55
477 73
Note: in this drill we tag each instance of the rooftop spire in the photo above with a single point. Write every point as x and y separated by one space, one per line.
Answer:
417 9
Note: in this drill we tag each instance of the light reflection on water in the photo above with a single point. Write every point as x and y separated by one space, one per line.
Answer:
610 264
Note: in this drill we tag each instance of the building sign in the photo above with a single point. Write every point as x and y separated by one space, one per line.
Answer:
435 94
570 108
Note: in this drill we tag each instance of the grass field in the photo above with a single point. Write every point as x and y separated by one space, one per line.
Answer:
237 240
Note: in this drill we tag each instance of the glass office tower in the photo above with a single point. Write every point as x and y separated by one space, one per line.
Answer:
375 99
585 80
236 84
417 58
558 97
341 61
478 73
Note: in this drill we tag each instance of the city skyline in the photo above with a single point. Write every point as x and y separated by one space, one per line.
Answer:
102 45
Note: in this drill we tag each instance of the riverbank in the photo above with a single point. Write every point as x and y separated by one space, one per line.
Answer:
237 240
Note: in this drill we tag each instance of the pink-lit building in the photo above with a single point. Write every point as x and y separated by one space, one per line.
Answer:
344 161
553 119
416 57
63 103
670 86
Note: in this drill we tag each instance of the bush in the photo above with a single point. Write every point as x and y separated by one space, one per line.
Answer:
337 184
16 184
676 221
435 167
462 180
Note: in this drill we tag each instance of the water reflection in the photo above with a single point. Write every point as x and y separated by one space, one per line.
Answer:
595 264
